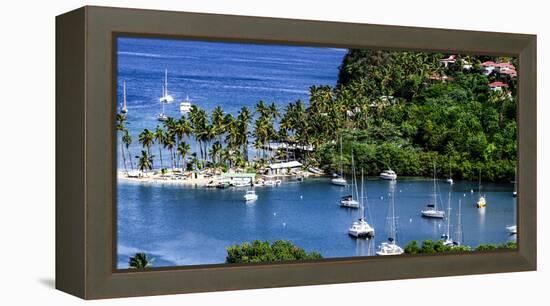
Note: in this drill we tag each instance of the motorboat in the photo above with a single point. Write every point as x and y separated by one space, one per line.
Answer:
339 181
185 106
388 175
250 196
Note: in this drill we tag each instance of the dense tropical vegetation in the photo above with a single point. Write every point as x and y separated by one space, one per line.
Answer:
399 110
433 247
263 251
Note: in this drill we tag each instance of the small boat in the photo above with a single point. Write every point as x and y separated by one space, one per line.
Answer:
349 202
512 229
272 182
222 185
162 117
185 106
250 196
450 179
390 247
315 170
339 179
241 184
431 210
481 202
124 108
388 175
361 228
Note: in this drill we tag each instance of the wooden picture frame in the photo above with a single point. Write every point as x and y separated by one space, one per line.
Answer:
86 153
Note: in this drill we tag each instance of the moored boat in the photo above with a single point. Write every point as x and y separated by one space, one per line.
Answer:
431 210
250 196
361 228
390 247
388 175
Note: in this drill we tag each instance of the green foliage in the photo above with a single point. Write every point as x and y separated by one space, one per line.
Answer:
434 247
262 251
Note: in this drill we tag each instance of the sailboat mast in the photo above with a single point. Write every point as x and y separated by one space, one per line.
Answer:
362 197
479 186
435 192
392 221
449 216
459 223
165 82
124 94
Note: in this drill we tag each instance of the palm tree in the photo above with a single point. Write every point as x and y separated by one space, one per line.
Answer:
147 138
160 137
145 161
183 149
243 119
218 122
127 140
215 150
169 143
262 109
181 129
140 261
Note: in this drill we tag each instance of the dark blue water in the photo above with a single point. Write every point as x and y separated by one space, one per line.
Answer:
227 74
186 226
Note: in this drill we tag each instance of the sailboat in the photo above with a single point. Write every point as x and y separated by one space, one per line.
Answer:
390 247
447 240
481 202
124 108
459 235
360 228
450 178
166 98
431 210
348 201
339 180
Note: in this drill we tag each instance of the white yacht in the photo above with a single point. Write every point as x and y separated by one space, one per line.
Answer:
250 196
512 229
124 108
185 106
431 210
361 228
166 98
339 180
390 247
388 175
